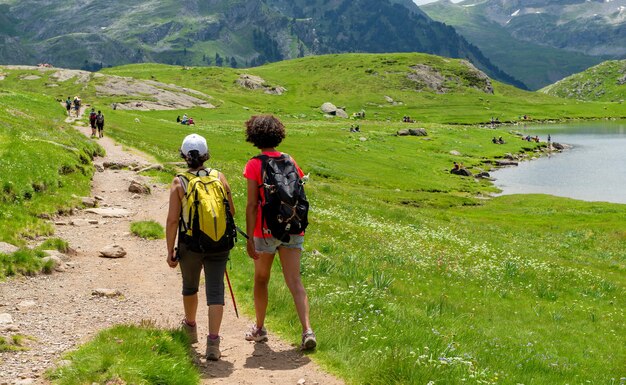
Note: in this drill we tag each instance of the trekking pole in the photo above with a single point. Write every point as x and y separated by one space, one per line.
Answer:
232 295
240 231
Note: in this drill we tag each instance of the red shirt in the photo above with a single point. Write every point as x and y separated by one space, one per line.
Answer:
252 171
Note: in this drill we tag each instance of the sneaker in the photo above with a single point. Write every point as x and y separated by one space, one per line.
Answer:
192 331
213 349
309 342
257 335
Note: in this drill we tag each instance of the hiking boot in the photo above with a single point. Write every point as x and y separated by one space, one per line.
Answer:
257 335
213 349
192 331
309 342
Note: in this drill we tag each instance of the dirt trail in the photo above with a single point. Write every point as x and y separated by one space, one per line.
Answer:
60 312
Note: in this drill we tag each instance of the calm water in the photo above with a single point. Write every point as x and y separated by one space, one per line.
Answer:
593 170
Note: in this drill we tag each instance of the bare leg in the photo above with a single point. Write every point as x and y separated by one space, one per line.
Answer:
190 303
290 260
262 271
215 318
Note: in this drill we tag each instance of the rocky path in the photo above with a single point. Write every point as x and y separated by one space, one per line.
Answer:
60 311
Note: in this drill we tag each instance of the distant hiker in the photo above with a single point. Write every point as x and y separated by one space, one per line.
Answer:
92 122
357 128
68 105
494 140
184 119
190 121
76 105
178 119
100 123
204 237
275 223
500 140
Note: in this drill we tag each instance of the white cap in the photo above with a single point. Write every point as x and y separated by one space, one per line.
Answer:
194 142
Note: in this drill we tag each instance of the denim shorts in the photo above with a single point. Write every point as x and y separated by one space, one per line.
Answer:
271 244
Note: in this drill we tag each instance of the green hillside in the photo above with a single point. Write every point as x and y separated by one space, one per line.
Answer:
604 82
533 63
414 275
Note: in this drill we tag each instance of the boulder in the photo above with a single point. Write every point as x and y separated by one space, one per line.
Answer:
483 174
89 202
558 146
26 305
115 165
455 153
341 113
403 132
461 172
7 248
329 108
113 251
99 167
138 188
506 163
79 222
57 263
418 132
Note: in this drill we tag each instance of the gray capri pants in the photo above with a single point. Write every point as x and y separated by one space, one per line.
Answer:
214 265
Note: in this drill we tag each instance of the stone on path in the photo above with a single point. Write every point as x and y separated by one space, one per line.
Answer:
7 248
26 305
113 251
138 188
157 167
89 202
79 222
108 293
115 165
301 381
110 212
6 318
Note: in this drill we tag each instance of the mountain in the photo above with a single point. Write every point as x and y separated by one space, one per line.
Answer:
604 82
539 41
95 33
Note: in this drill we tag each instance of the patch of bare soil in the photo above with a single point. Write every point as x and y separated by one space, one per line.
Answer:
63 310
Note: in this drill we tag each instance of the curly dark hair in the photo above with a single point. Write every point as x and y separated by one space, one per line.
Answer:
264 131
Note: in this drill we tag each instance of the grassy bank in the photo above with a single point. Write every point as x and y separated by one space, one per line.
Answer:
416 275
43 162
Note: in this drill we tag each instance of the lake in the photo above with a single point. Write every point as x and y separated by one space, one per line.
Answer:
593 170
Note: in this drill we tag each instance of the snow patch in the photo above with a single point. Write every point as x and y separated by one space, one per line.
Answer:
515 13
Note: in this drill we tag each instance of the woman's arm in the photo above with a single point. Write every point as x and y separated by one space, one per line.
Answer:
173 216
252 207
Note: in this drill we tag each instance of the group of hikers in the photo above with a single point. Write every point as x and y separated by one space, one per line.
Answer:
497 141
273 225
185 120
72 105
354 128
407 119
96 120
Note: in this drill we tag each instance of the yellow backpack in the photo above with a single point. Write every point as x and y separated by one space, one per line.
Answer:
206 224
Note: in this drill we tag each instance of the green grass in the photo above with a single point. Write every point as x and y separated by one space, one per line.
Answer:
130 355
598 83
413 274
14 344
147 230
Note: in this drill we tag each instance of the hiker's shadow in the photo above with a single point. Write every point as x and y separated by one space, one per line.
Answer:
213 369
263 356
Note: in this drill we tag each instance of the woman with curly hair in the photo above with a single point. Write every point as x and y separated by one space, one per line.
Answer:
266 132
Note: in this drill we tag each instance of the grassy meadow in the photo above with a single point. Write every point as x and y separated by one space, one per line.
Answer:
414 275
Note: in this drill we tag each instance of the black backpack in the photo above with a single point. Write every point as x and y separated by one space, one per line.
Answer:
285 210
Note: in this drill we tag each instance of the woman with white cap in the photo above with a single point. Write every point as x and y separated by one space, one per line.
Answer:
195 152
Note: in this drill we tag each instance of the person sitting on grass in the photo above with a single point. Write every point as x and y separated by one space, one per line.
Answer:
266 132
